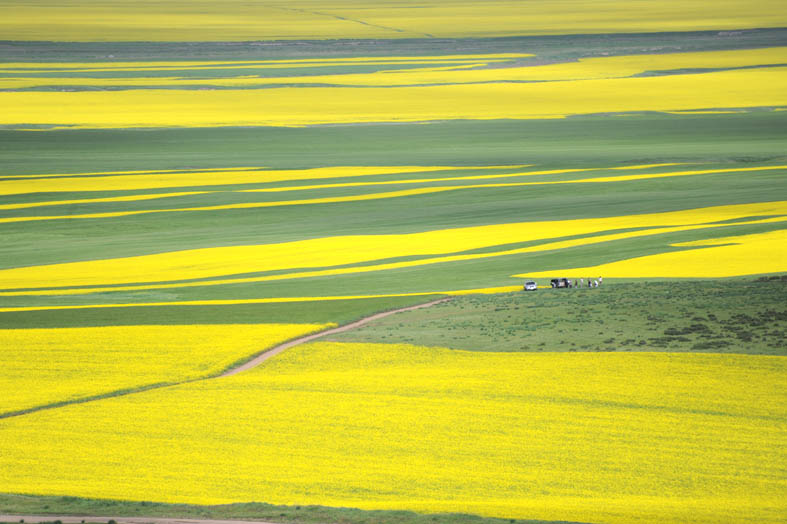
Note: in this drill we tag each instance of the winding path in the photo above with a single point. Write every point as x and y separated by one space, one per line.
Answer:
308 338
256 361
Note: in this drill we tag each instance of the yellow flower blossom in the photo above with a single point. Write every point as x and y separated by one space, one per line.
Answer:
235 20
587 437
43 366
716 258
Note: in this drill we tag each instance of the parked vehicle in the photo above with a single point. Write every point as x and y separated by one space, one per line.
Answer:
560 282
530 285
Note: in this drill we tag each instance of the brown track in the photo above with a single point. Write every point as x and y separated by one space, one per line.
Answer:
233 371
308 338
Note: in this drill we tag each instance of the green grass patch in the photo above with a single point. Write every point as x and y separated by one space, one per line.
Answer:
715 316
63 506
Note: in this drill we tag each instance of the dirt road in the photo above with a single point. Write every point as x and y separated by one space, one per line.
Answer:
243 367
308 338
32 519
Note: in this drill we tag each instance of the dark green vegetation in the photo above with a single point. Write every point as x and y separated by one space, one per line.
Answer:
713 316
317 312
581 141
62 506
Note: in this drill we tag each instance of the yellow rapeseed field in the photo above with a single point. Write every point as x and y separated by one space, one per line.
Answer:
235 20
457 73
713 258
146 271
293 106
312 173
122 181
613 438
497 175
356 198
759 264
229 65
270 300
42 366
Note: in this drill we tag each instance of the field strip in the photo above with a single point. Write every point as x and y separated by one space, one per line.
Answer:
218 177
16 67
131 198
453 72
473 177
184 171
751 254
388 194
236 21
324 186
308 338
306 106
327 186
256 361
273 300
563 244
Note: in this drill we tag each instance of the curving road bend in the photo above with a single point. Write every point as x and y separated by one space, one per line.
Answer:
308 338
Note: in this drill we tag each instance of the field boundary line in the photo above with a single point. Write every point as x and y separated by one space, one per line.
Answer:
233 370
308 338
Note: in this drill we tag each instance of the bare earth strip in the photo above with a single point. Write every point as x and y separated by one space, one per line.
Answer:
308 338
32 519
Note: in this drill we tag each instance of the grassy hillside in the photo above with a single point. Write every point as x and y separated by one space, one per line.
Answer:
729 316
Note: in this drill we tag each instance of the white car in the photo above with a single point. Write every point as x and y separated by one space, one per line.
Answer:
530 285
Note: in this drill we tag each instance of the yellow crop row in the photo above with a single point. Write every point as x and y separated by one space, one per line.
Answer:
158 180
130 198
191 180
42 366
321 253
308 106
354 198
233 65
647 437
584 69
132 172
716 258
272 300
236 20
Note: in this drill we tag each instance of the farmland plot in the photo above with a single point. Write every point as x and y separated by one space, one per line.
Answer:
46 366
667 437
167 209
